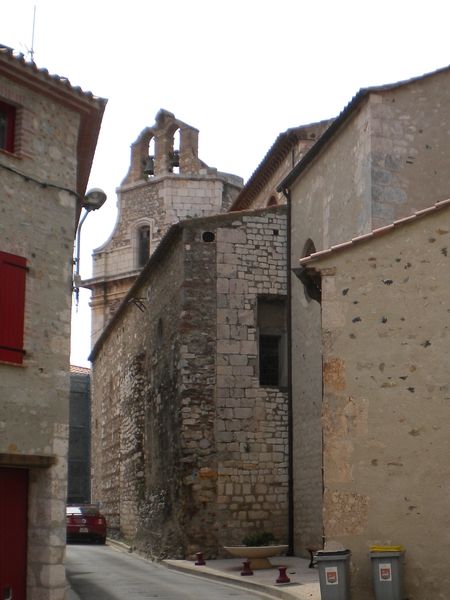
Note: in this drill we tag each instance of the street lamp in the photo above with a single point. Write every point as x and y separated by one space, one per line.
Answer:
94 199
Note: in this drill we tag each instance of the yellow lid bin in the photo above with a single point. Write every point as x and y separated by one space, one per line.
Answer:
387 548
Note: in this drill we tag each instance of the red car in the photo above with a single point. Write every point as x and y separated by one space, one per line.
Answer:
85 522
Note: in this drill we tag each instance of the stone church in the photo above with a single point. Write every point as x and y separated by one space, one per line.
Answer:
217 370
190 414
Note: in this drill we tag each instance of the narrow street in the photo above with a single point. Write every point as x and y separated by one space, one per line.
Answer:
104 573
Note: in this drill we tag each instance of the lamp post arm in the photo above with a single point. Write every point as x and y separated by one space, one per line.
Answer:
77 258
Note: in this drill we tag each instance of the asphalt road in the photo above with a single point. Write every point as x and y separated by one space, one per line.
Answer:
105 573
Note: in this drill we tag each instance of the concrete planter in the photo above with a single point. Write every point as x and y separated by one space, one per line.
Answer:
257 555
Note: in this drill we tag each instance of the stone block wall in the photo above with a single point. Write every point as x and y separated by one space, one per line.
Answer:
251 425
37 223
156 201
199 442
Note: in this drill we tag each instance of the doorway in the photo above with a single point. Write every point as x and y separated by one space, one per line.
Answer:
13 533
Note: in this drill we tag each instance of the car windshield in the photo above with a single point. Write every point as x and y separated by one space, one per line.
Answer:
82 510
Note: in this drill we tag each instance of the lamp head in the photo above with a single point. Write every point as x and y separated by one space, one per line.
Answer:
94 198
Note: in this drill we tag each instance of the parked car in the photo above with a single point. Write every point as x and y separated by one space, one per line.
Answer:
85 522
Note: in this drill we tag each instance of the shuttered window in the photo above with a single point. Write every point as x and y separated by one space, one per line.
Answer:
12 307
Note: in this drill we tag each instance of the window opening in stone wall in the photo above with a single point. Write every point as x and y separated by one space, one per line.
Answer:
269 352
208 236
174 154
7 126
143 245
272 348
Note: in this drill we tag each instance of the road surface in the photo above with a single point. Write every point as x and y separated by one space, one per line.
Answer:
105 573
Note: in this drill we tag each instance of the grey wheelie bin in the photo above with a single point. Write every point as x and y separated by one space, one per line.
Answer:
334 574
387 572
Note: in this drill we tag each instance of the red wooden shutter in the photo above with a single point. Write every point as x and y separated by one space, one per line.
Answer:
12 307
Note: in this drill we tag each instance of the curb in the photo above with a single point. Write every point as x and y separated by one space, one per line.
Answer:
208 573
269 592
119 545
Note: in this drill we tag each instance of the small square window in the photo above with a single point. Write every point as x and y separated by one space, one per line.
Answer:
7 126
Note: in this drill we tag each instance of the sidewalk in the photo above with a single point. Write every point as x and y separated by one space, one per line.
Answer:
304 584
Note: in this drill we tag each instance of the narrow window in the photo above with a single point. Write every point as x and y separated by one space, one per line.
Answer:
12 307
174 154
7 125
269 359
143 245
272 341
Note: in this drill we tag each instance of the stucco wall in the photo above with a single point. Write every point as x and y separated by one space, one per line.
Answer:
386 332
380 166
410 159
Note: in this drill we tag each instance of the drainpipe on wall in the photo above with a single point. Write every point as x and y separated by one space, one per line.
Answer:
287 195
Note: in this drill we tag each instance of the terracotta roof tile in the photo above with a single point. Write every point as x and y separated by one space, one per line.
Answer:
80 370
376 232
42 73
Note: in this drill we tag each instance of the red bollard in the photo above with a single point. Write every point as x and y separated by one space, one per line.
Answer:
246 570
200 560
282 577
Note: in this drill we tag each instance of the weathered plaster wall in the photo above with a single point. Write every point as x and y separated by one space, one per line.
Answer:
319 200
38 223
409 137
379 167
386 329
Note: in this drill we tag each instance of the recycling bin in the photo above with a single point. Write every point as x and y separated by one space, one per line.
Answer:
387 574
334 574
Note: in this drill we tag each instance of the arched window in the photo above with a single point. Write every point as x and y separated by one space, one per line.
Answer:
143 245
174 154
312 284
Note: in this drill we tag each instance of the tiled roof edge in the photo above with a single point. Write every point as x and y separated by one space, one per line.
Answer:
43 73
375 233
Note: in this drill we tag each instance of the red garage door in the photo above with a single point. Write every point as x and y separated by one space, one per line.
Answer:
13 533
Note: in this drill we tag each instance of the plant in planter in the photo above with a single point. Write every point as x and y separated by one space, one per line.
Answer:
261 538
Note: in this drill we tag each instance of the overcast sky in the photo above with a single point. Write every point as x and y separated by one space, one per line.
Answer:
241 71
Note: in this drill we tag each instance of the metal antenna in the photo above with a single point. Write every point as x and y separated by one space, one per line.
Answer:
32 35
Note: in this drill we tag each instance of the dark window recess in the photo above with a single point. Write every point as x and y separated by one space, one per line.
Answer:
12 307
269 359
7 126
208 236
271 317
143 245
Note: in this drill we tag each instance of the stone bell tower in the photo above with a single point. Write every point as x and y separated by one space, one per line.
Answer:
166 183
